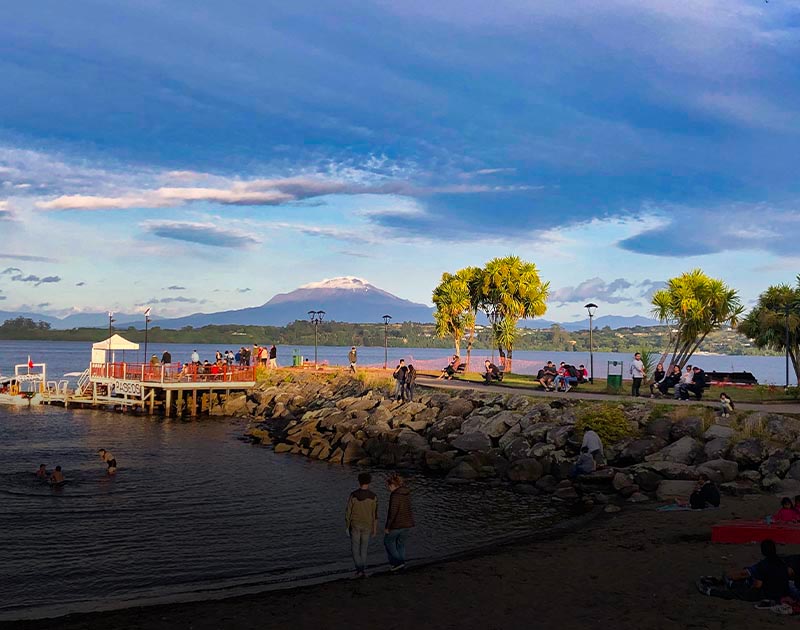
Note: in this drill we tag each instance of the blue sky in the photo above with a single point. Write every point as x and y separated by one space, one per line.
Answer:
197 156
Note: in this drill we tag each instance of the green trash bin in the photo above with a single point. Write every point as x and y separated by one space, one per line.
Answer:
297 360
614 377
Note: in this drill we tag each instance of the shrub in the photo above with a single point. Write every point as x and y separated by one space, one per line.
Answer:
607 421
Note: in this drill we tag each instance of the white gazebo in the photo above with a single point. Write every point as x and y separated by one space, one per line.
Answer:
105 351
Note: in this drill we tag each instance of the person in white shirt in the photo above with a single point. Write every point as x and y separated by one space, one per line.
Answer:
686 380
593 442
637 374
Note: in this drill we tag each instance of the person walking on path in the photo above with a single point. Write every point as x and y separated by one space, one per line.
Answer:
273 356
361 521
352 356
399 521
637 374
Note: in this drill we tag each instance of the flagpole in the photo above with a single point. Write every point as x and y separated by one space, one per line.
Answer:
146 322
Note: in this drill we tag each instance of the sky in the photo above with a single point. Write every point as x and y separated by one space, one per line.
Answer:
190 155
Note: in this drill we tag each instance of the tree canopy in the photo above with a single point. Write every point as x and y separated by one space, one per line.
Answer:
453 315
778 308
695 304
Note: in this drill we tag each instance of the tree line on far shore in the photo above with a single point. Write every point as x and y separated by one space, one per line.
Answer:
691 306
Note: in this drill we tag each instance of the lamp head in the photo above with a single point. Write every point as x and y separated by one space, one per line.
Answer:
591 308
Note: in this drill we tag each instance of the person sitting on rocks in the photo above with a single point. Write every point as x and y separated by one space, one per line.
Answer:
592 441
787 513
765 580
705 494
492 372
585 463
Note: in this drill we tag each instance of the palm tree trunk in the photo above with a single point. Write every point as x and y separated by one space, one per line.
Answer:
508 359
469 343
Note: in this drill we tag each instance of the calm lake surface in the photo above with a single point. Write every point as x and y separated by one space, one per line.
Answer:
72 356
195 513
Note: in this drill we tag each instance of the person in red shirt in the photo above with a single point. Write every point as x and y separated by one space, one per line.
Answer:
787 513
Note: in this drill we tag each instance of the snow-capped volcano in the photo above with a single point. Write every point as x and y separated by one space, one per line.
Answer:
344 282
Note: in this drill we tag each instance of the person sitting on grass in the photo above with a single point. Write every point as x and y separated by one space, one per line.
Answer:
492 372
787 512
705 494
767 580
726 405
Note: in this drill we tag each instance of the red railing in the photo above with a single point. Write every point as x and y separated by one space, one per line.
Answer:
173 373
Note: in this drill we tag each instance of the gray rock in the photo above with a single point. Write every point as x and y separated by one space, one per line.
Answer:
638 497
561 464
548 483
537 432
750 475
525 470
777 465
414 440
621 481
438 462
462 470
566 494
716 431
495 426
647 480
636 450
660 427
518 448
794 471
748 453
540 450
673 470
720 470
354 452
612 509
718 448
509 436
558 436
460 407
668 490
444 426
685 451
770 481
787 487
739 488
472 442
693 427
518 403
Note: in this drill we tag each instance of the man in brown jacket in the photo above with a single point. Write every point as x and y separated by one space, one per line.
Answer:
361 521
399 522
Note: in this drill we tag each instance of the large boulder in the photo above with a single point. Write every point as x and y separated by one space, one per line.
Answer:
748 453
413 440
496 425
716 431
685 451
720 470
794 471
669 490
469 442
558 436
509 436
460 407
636 450
659 427
353 452
778 428
525 470
671 470
777 464
647 480
463 470
693 427
444 426
438 462
517 448
717 448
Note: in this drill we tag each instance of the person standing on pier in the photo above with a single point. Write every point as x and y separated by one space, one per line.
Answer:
195 357
361 521
273 356
166 358
109 459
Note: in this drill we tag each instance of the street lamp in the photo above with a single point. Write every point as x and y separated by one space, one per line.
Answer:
386 320
146 322
590 307
316 319
786 323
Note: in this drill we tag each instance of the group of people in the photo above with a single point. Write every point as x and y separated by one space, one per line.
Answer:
562 378
591 457
56 478
405 380
691 381
361 522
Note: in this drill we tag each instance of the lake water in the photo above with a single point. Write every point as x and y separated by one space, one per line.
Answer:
194 513
62 357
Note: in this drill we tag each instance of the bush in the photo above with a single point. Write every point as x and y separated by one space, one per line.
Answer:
607 421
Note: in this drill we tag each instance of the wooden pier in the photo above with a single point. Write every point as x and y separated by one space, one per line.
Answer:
169 390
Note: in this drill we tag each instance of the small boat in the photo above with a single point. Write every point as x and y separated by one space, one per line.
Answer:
25 387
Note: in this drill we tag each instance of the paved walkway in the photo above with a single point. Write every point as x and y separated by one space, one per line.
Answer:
427 381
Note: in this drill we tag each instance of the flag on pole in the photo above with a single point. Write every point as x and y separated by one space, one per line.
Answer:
30 362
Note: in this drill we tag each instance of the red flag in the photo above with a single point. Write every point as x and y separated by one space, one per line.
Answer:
30 362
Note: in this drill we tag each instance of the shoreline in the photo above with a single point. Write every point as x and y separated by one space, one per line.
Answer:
630 570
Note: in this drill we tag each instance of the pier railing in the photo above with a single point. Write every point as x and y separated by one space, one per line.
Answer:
173 372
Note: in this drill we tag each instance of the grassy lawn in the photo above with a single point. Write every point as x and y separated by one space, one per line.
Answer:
755 394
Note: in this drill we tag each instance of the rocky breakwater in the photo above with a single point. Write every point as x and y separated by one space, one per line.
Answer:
654 452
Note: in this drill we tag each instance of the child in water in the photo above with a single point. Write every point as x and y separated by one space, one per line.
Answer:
42 472
108 458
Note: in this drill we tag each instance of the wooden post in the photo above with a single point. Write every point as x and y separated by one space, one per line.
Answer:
168 405
179 404
152 400
194 403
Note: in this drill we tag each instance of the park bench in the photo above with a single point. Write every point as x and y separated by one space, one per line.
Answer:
697 395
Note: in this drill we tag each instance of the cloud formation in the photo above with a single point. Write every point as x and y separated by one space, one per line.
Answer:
15 275
180 299
26 258
594 289
202 233
175 287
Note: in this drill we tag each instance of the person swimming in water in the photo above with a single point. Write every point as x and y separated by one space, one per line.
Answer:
57 477
42 472
108 458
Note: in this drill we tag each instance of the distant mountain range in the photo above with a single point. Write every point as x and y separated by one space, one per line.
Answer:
345 299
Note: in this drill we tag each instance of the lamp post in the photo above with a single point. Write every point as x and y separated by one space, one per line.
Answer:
786 323
590 307
146 323
316 319
386 320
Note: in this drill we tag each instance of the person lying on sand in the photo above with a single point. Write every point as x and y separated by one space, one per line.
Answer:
42 472
768 579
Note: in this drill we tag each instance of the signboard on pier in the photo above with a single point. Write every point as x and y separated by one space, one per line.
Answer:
126 388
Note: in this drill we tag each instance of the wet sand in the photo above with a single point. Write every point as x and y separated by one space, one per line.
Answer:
630 570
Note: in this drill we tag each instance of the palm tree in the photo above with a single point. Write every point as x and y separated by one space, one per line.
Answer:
453 314
473 277
695 305
510 289
778 308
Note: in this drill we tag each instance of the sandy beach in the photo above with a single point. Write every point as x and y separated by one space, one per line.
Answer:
634 569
